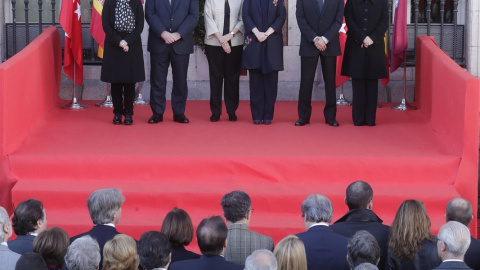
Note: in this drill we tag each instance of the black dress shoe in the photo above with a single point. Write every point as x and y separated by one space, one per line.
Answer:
232 117
302 122
332 123
128 120
155 119
181 118
214 118
267 122
117 119
257 122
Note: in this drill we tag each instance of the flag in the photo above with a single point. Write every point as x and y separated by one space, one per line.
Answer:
339 79
96 28
70 20
385 81
399 38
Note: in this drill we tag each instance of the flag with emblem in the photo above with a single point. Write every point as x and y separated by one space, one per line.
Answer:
399 37
339 79
70 20
96 28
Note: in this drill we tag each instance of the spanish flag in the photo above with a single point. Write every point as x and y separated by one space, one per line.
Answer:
386 80
96 28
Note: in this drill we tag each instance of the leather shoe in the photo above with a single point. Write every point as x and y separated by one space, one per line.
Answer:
332 123
302 122
232 117
128 120
257 122
181 118
117 119
155 119
214 118
267 122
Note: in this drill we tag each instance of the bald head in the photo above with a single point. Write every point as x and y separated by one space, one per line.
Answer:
459 209
211 236
359 194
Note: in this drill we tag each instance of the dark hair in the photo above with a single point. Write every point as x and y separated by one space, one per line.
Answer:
26 216
211 236
178 227
236 205
30 261
460 210
154 250
52 245
359 194
362 247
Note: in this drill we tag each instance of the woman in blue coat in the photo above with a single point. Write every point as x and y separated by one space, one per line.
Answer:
263 54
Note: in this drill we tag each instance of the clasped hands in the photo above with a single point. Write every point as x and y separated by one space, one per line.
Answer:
223 40
124 45
320 44
367 42
170 37
262 36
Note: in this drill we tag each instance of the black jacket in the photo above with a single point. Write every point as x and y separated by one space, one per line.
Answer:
425 258
453 265
472 257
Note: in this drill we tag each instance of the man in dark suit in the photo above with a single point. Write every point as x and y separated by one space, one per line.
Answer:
459 209
170 41
452 242
154 250
319 22
105 209
325 249
359 199
212 241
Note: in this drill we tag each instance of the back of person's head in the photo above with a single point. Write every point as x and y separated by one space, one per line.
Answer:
236 205
361 248
120 253
52 245
459 209
290 254
178 227
410 228
211 236
358 195
30 261
261 259
28 216
83 254
454 240
103 203
4 225
317 208
154 250
366 266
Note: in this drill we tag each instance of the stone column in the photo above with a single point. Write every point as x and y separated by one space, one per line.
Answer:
473 37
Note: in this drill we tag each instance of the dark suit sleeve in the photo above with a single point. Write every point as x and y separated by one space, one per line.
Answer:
111 34
305 28
187 26
134 36
281 16
332 32
153 18
382 25
353 29
247 19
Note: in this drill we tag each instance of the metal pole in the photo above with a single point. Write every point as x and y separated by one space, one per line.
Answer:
107 102
74 105
140 101
404 106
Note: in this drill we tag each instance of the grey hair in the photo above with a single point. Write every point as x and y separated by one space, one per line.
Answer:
103 203
366 266
317 208
261 259
4 220
456 237
83 254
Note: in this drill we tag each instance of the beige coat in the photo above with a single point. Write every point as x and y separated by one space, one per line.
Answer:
214 17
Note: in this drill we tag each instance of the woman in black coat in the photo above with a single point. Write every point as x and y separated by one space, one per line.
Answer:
364 58
263 54
122 64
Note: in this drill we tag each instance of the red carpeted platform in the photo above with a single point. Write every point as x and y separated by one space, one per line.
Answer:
428 154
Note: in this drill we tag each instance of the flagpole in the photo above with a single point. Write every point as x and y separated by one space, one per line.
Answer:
404 106
139 100
74 105
107 102
342 101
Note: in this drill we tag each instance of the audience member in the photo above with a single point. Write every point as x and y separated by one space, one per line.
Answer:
359 199
459 209
237 209
411 245
261 259
52 245
362 247
290 254
325 249
452 242
83 254
7 257
178 227
120 253
29 219
366 266
30 261
212 241
105 208
154 250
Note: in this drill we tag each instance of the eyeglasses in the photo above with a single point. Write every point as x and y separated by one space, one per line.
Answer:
440 240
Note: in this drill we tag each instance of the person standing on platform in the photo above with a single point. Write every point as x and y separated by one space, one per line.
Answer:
223 47
364 58
263 54
319 22
170 41
122 64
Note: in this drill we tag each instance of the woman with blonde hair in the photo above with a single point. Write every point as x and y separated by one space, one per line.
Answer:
290 254
411 245
120 253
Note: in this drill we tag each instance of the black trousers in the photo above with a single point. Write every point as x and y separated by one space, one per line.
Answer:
365 96
158 78
263 93
123 96
224 68
308 68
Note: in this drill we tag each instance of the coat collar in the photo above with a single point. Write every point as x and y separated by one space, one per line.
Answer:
239 226
362 215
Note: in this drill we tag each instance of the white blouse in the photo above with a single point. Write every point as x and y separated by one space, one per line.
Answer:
214 17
